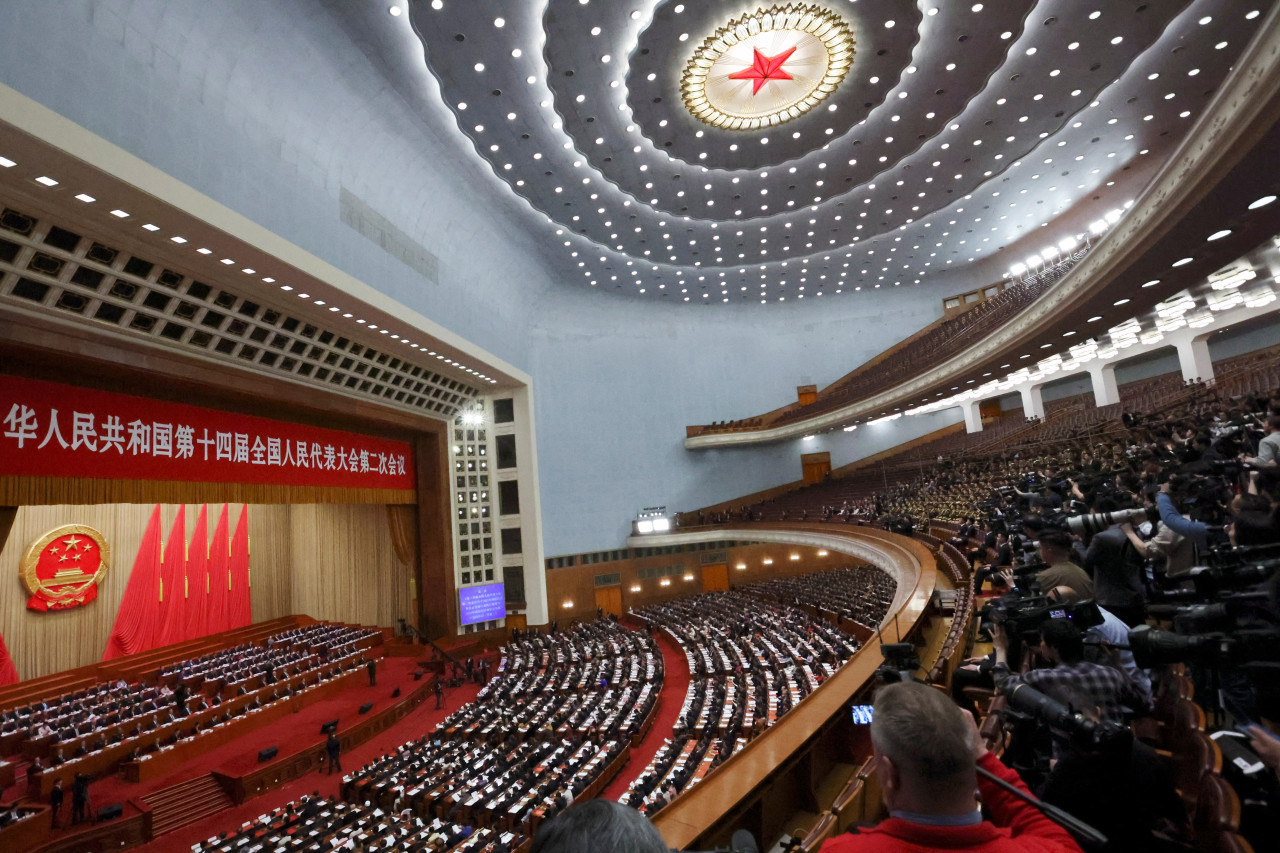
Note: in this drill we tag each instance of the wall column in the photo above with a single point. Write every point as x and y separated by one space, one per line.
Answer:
972 416
1032 401
1193 357
1105 390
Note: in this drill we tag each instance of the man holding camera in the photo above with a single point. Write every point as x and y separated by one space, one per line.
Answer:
1062 644
926 752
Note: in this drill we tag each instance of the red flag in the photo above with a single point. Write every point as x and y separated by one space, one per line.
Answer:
239 610
136 620
198 578
8 672
172 595
219 554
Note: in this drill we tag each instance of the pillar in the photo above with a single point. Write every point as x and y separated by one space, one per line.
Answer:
1105 390
1193 357
972 416
1032 401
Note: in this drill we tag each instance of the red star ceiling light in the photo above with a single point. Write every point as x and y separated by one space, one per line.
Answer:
767 67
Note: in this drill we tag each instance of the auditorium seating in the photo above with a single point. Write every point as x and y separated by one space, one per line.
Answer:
95 729
938 343
317 825
860 594
751 659
554 725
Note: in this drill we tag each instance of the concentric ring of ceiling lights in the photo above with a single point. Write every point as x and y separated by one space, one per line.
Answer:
767 67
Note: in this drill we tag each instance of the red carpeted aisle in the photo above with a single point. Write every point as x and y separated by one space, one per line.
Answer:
420 721
675 685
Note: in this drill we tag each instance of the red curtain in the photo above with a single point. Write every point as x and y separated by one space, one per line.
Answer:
198 579
239 610
173 584
8 672
135 626
219 554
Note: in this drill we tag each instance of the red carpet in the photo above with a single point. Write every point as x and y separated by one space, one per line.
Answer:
420 721
675 685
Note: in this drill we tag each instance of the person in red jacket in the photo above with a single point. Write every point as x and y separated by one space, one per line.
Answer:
926 749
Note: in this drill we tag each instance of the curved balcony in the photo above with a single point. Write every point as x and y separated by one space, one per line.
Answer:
1206 186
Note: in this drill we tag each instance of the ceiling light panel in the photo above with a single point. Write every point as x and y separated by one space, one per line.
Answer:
940 117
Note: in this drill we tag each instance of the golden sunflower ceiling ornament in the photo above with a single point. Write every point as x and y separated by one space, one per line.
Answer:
767 67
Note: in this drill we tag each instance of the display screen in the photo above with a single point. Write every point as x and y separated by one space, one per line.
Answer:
481 603
862 714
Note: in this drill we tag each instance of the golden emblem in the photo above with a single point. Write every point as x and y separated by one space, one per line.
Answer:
63 567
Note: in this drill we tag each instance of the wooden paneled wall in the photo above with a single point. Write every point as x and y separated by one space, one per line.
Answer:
345 566
571 590
329 561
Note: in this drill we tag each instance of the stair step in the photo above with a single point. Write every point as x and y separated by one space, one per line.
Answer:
185 819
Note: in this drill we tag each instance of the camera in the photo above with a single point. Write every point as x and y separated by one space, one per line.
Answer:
1087 525
1083 732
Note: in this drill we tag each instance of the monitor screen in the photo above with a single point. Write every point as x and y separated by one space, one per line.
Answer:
481 603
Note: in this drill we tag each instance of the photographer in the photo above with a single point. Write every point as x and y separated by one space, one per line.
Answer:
1055 550
1111 638
1121 787
1062 645
926 751
1269 446
1116 569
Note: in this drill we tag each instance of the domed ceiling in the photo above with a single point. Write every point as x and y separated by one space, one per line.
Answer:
713 152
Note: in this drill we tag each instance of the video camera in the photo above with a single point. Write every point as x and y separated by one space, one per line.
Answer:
1022 612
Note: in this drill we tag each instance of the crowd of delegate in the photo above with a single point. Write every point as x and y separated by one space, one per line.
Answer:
861 594
750 661
561 711
91 730
313 824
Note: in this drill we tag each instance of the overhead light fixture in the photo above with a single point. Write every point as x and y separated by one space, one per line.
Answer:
798 54
120 214
47 181
6 163
86 198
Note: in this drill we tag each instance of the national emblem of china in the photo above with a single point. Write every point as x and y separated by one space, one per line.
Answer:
63 567
767 67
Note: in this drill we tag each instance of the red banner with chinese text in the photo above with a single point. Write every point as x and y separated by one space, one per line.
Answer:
50 429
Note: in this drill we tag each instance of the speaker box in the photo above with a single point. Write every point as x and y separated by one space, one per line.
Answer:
395 694
267 754
366 707
111 812
331 726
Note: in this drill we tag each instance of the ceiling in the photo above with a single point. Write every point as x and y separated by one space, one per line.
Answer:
963 134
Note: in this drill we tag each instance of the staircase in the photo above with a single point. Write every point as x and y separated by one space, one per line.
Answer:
185 803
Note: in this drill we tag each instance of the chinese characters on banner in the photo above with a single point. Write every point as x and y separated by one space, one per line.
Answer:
49 429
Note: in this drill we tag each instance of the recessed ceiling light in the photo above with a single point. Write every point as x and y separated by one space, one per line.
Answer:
228 261
47 181
1095 318
205 251
1121 302
395 11
120 214
286 288
1262 202
86 198
1151 283
178 240
1218 235
1182 262
149 227
7 163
